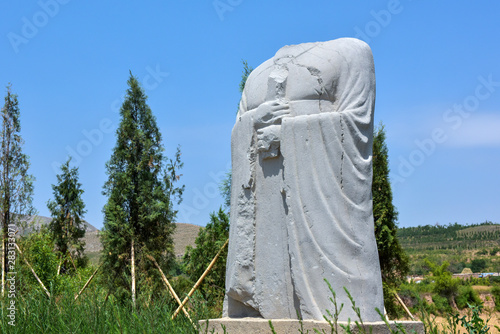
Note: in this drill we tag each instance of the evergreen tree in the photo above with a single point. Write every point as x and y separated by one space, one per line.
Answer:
244 76
16 185
67 209
139 215
208 242
394 262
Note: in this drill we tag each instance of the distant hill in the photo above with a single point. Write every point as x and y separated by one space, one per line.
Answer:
452 236
35 222
185 234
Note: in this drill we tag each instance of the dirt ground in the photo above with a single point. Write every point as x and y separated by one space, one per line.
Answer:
488 312
493 316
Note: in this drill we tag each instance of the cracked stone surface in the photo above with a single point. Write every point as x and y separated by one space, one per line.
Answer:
301 205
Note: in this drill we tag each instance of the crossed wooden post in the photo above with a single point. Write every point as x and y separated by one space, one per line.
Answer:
181 306
33 271
88 282
165 280
167 283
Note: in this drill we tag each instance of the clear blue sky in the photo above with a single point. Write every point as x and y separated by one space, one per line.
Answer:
438 89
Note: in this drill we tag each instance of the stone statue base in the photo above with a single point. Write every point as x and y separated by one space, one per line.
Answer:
291 326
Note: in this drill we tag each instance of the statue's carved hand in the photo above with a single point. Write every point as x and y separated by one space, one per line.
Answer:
270 113
268 136
268 141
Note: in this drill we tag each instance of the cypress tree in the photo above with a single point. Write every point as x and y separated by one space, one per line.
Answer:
67 210
139 215
394 262
16 184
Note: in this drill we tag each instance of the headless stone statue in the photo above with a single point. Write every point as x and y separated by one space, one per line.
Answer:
301 205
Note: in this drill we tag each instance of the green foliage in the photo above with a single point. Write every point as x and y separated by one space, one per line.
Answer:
495 291
16 184
478 265
141 193
333 318
457 267
454 237
394 262
411 295
244 76
38 249
467 295
208 242
246 72
90 314
494 251
225 189
444 283
483 251
474 324
67 210
442 304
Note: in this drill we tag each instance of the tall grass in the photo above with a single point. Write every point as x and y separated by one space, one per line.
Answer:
91 314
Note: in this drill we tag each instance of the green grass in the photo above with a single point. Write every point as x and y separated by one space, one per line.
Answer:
90 314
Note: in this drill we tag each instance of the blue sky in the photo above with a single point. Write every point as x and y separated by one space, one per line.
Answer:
438 89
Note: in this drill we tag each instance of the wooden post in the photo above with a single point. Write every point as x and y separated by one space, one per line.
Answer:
74 266
133 274
167 283
88 282
33 271
404 306
107 296
195 287
59 266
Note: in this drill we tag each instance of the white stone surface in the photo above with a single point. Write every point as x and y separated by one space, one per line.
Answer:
301 205
288 326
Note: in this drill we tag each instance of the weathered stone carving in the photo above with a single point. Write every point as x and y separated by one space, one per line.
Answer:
301 205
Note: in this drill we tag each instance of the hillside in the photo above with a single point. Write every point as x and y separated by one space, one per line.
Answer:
34 223
476 247
452 236
184 235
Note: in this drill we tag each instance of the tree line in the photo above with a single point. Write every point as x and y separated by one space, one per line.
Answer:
141 192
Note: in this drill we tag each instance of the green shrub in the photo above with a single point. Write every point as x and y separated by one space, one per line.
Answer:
467 295
442 304
38 250
474 324
494 279
90 314
415 302
482 252
496 294
478 265
409 294
392 306
457 267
